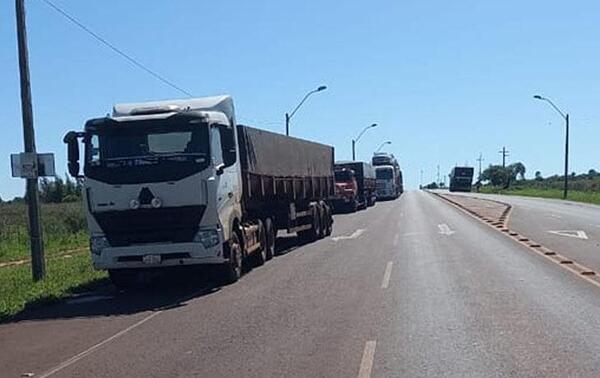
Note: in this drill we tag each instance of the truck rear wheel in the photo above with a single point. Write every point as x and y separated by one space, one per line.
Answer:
328 221
271 235
322 210
232 270
260 256
311 234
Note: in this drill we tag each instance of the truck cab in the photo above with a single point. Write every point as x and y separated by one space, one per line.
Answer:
161 183
386 182
346 190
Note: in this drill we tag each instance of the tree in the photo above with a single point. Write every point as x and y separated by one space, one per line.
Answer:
592 173
538 176
518 169
498 175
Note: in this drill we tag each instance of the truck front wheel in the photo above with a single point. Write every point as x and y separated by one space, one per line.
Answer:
232 270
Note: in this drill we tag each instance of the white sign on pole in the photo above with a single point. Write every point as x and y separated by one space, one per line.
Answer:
30 166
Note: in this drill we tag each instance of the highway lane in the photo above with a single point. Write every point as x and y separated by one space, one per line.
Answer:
570 228
423 290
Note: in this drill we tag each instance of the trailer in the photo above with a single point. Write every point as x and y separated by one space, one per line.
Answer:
178 182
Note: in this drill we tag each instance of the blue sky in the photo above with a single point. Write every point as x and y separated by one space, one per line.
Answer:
444 80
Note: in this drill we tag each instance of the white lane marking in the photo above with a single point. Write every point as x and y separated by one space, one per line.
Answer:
445 230
396 237
555 216
386 275
571 233
354 235
367 359
95 347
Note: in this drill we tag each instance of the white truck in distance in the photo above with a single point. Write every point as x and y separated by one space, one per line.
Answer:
177 182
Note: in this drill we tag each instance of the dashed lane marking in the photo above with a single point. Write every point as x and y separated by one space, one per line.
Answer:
366 364
386 275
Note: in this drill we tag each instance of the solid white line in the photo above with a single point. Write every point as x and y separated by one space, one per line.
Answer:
90 350
386 276
95 347
367 359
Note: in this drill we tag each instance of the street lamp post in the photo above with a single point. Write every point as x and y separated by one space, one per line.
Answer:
289 116
565 116
354 141
383 144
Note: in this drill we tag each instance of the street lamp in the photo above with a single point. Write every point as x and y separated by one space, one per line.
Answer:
354 141
565 116
289 116
383 144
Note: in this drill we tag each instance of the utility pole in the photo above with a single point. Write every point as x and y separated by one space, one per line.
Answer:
38 263
566 183
480 159
421 180
504 153
438 174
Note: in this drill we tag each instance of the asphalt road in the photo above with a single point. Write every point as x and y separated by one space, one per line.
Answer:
412 287
570 228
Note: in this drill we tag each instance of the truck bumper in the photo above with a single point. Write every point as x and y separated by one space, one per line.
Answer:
385 193
158 255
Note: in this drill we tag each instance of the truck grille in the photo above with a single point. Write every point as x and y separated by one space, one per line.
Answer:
163 225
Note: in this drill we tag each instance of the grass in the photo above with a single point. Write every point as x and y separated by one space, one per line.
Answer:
64 276
64 228
573 195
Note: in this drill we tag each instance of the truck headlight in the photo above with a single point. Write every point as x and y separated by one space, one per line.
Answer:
98 243
208 238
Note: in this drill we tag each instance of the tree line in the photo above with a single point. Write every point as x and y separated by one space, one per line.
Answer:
56 190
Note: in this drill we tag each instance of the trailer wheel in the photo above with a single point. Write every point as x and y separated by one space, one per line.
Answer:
261 256
322 211
271 235
313 233
232 270
328 221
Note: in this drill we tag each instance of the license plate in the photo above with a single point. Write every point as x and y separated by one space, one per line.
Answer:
151 259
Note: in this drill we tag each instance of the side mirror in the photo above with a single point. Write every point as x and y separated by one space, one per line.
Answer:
72 141
228 148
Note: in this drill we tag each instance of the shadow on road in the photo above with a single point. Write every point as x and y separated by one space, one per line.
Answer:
167 289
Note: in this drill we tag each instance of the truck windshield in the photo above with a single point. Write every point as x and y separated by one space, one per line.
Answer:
150 150
344 175
384 174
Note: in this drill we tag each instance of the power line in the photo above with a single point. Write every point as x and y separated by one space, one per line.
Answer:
114 48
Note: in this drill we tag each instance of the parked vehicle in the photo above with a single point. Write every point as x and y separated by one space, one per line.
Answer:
172 183
387 184
461 179
355 185
390 186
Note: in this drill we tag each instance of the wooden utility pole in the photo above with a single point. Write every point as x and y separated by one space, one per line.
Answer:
38 264
504 153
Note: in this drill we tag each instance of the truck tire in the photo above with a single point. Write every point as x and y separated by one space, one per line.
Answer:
123 278
260 256
271 235
328 220
313 233
322 220
232 270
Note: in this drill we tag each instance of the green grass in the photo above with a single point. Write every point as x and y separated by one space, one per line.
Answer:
64 276
64 228
573 195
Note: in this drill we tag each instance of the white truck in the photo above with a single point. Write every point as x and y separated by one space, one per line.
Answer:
178 182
